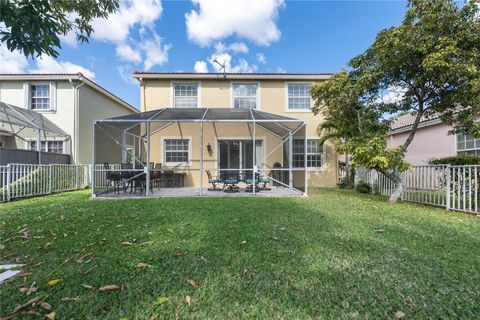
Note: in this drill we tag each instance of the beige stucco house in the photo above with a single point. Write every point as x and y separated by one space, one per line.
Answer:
71 101
229 145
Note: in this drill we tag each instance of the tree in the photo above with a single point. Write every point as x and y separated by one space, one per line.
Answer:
345 115
432 61
34 27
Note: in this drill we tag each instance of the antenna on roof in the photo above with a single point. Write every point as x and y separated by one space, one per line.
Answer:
222 66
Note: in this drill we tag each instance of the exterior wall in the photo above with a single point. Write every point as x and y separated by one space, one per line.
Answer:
94 106
157 94
429 143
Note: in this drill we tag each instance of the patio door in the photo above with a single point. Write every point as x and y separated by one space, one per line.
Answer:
238 154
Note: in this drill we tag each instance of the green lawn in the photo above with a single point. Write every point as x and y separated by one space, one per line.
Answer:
336 254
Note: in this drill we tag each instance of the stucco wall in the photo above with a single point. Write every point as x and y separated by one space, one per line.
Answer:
217 94
429 143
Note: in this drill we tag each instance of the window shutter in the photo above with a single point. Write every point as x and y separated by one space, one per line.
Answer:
53 96
26 95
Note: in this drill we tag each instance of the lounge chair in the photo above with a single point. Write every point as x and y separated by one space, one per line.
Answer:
214 181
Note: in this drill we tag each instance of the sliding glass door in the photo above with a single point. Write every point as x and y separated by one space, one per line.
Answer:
238 154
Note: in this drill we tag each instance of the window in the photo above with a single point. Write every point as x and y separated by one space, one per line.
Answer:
314 153
245 95
48 146
40 96
185 95
299 96
176 150
467 144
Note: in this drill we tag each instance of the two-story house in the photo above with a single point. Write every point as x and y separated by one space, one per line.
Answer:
70 101
229 145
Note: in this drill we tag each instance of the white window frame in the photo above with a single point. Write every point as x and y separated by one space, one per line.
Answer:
163 158
287 109
464 151
258 107
28 143
172 92
51 95
322 155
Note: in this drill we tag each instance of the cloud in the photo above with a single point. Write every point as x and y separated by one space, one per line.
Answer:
127 53
12 62
238 47
261 58
214 20
243 66
46 64
200 67
226 59
156 53
125 72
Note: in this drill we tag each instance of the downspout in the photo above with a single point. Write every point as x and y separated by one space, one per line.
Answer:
76 119
143 96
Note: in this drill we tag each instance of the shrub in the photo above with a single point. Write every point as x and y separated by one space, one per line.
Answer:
459 160
363 187
344 183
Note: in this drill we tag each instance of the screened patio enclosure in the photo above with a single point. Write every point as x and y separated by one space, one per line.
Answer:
199 152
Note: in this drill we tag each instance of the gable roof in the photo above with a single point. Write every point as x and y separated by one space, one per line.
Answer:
232 75
67 76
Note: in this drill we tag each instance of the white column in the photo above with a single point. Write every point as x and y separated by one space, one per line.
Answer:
305 160
147 166
254 157
201 158
94 160
290 160
39 146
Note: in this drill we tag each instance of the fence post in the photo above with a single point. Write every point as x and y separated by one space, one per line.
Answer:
448 187
8 182
49 179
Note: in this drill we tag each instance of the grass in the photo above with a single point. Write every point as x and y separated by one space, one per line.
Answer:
337 254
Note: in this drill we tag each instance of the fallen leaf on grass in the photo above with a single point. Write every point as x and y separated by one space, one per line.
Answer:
87 286
126 243
244 271
193 283
243 242
142 265
53 282
204 259
51 315
170 230
30 290
89 271
32 313
48 244
399 315
161 300
188 300
70 299
20 308
274 238
380 230
154 317
179 254
46 306
109 288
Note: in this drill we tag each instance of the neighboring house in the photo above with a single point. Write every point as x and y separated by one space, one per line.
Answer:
230 145
431 140
71 101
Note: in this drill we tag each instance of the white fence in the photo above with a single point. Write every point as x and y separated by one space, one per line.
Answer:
27 180
451 187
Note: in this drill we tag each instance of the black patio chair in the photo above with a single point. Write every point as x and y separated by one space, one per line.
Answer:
113 178
231 181
266 180
214 181
250 181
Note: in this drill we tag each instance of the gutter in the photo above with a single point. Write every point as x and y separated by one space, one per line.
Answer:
76 119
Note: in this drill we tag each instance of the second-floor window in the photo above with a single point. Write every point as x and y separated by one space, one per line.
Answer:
40 97
185 95
245 95
467 144
47 146
298 96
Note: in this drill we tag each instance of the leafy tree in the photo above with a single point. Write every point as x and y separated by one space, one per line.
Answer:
432 60
34 27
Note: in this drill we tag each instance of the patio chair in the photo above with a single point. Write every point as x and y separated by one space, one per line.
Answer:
113 177
250 181
230 182
155 176
169 179
266 180
214 180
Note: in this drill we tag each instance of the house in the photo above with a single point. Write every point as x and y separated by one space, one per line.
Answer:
70 101
431 140
224 113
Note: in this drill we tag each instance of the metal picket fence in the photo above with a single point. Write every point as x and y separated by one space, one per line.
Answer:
28 180
451 187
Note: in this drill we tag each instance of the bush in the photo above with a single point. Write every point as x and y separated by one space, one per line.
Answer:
459 160
363 187
344 183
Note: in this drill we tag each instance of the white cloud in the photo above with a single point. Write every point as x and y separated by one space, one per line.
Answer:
226 59
200 66
127 53
46 64
156 53
261 58
254 20
238 47
125 72
243 66
12 62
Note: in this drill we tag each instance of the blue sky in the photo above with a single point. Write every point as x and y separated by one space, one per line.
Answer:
250 35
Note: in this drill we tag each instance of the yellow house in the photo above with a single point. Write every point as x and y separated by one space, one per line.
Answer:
223 140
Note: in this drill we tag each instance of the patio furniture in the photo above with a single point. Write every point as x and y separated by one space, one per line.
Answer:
113 178
250 181
214 180
169 177
156 175
230 182
266 180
